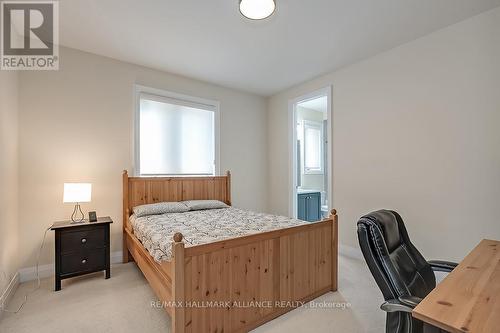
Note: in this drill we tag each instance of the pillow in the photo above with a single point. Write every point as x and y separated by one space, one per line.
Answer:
160 208
204 204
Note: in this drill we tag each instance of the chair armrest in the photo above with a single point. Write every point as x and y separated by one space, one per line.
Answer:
402 304
442 266
411 301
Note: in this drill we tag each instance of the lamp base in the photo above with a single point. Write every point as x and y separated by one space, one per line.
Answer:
77 216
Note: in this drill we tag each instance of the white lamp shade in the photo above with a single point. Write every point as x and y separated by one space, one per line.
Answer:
257 9
77 192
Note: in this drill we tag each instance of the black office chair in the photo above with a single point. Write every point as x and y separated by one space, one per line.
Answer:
401 272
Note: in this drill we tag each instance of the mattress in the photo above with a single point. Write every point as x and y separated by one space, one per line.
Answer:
201 227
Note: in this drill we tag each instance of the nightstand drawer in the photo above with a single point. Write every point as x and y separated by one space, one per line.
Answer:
93 238
85 260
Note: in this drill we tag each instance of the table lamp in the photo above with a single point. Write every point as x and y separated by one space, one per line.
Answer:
77 193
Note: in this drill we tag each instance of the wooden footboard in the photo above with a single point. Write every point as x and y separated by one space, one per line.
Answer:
238 284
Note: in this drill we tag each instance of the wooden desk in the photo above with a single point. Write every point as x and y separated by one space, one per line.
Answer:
468 299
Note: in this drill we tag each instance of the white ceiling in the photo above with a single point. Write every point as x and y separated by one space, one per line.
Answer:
211 41
319 104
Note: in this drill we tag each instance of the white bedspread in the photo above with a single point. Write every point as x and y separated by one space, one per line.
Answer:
202 227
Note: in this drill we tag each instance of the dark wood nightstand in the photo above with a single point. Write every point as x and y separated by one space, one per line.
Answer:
81 248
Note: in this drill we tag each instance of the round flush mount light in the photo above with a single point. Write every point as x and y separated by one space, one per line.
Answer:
257 9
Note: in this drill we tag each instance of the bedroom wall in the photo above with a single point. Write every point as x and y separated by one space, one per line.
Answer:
9 263
415 129
76 125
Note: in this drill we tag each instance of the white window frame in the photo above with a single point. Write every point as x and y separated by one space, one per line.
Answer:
175 98
319 126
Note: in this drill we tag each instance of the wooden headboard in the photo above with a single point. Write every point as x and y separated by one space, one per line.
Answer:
145 190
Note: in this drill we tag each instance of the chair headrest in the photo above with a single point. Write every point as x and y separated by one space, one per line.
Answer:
387 221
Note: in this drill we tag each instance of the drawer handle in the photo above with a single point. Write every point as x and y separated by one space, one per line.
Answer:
84 240
84 261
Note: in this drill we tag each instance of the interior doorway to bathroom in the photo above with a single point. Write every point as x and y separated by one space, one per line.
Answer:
311 155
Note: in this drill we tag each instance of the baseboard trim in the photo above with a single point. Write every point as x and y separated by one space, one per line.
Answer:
9 292
29 273
45 271
351 252
116 257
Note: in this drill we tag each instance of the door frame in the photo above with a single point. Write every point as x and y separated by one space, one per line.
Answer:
292 146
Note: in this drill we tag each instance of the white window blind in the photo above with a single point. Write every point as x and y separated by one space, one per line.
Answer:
176 137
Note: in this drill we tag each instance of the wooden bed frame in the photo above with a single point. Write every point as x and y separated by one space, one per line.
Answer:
236 284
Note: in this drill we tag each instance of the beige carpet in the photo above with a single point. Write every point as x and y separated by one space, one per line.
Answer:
123 304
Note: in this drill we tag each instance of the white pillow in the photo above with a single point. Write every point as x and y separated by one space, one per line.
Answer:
204 204
160 208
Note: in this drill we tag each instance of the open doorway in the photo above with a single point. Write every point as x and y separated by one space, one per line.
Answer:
310 147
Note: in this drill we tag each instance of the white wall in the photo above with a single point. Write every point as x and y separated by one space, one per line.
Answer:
76 125
9 263
415 129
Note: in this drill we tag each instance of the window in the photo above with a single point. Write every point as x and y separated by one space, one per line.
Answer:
313 147
175 134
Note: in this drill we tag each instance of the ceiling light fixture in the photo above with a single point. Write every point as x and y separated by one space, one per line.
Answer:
257 9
